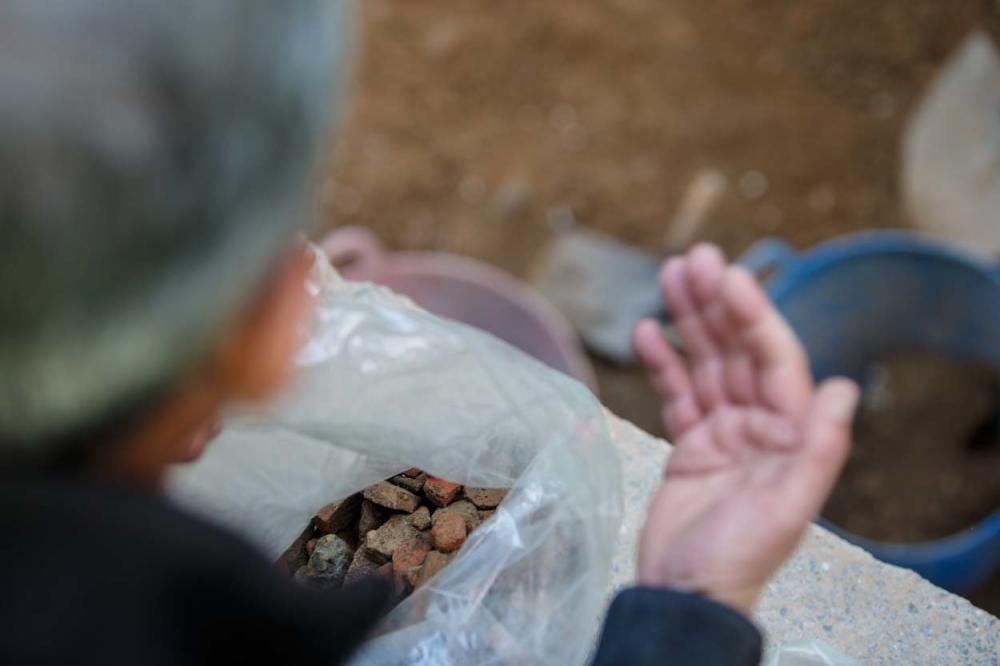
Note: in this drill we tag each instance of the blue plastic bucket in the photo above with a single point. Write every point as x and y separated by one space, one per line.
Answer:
855 299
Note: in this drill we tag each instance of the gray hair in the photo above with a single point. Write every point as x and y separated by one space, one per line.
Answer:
154 159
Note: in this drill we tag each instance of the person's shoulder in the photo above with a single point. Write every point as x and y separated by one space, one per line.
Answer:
89 564
92 564
38 512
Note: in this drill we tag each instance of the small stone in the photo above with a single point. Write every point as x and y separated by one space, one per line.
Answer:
448 533
400 584
328 563
371 518
392 497
440 491
485 498
413 472
512 198
296 556
433 563
362 566
350 535
409 555
335 516
421 518
413 484
465 509
486 515
311 546
384 541
413 576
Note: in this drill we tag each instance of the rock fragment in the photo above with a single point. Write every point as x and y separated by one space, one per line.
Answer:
464 508
448 533
362 566
384 541
392 497
371 517
485 498
433 563
410 555
328 564
421 518
338 515
440 492
413 484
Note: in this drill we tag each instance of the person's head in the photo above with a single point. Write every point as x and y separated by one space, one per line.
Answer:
155 164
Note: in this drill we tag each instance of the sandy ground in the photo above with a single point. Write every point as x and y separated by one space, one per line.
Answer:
474 120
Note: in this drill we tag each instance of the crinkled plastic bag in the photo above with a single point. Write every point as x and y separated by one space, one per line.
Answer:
382 386
809 653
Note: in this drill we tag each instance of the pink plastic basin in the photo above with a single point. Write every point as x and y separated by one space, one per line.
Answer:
468 291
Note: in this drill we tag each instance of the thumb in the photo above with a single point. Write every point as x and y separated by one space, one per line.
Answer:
826 441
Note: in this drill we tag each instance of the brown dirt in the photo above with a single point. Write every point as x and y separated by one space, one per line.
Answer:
925 461
473 119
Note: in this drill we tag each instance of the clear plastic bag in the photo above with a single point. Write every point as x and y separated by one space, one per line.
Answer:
382 386
808 653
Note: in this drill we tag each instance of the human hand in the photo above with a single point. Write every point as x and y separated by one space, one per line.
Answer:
757 446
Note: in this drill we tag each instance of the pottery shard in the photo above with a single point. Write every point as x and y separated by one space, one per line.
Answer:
485 498
337 515
413 576
433 563
328 564
362 566
413 484
392 497
421 518
410 555
413 472
440 491
464 508
371 518
448 532
400 584
296 556
384 541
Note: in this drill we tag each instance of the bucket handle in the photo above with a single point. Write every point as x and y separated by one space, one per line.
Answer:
768 255
355 251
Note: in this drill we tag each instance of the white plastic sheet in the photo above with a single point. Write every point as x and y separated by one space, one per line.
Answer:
808 653
381 386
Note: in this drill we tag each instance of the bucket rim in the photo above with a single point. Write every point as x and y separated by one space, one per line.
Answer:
790 273
798 267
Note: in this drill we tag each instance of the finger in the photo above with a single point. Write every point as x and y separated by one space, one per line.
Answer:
825 444
782 368
743 433
729 430
669 376
683 310
707 370
770 432
762 331
741 379
680 416
706 272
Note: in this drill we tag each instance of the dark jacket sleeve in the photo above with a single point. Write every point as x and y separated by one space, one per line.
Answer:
93 572
658 626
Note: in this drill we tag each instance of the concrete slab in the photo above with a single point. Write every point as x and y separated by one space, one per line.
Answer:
829 590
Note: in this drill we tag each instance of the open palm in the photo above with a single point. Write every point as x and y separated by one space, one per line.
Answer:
757 446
